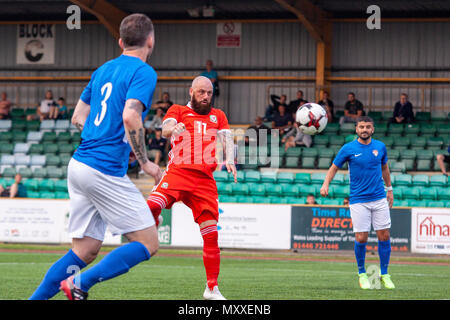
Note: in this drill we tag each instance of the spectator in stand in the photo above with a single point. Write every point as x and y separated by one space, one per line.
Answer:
60 112
164 103
295 104
310 199
403 110
296 138
255 129
352 110
212 75
5 107
346 201
273 108
17 189
328 105
442 159
44 108
156 122
157 147
282 120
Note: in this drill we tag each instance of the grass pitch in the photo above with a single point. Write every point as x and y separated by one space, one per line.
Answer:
179 275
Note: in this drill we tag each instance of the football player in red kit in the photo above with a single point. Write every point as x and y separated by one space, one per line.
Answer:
193 130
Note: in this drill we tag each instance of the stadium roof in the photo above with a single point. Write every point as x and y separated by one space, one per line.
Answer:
32 10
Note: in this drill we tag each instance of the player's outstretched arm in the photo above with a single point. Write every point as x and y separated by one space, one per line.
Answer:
134 129
80 114
226 137
328 178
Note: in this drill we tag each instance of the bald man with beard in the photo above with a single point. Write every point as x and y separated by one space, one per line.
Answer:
193 130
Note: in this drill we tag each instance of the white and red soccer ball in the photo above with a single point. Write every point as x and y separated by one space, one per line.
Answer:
311 118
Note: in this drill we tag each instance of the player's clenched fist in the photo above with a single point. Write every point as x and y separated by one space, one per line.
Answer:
324 191
178 129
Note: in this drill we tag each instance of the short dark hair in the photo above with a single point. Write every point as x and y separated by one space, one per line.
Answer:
134 30
352 93
364 119
61 98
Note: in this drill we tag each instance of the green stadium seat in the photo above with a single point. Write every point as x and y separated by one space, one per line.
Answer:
381 129
407 154
302 178
260 199
427 128
428 193
337 141
47 195
25 172
33 194
332 129
19 125
33 125
6 148
443 129
256 189
305 190
61 195
376 115
221 176
321 140
36 149
46 185
398 193
396 128
388 141
443 194
76 137
308 162
244 199
268 177
64 136
277 200
5 137
295 200
425 154
438 181
294 152
39 173
318 178
331 202
240 176
61 185
418 143
274 190
409 164
17 113
49 137
423 165
436 204
395 166
439 116
435 143
423 116
285 177
411 193
403 180
20 136
421 180
386 115
393 154
412 128
289 190
401 142
31 185
55 173
249 166
252 176
347 128
9 172
400 203
50 148
223 188
53 160
417 203
240 189
339 191
339 179
350 138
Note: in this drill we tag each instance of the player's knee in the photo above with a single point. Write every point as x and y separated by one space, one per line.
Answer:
87 255
440 157
361 238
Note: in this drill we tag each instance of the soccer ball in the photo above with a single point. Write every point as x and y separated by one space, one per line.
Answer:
311 118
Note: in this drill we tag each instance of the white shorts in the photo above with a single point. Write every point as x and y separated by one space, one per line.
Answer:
374 212
98 200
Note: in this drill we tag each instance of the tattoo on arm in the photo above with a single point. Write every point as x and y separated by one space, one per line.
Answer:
137 140
135 105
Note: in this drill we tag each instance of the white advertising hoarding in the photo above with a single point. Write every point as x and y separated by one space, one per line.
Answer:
38 221
252 226
430 230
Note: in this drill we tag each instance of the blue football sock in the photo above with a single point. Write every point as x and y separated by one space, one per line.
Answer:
384 251
117 262
60 270
360 254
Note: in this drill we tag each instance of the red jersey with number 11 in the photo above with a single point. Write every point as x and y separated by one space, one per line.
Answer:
195 148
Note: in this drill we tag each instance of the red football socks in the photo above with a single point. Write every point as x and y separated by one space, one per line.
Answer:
211 254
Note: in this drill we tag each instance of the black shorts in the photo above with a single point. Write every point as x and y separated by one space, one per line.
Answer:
6 193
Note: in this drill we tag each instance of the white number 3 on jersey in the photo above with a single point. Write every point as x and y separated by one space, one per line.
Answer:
100 116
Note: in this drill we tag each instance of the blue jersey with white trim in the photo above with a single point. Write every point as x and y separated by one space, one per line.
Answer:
104 145
364 162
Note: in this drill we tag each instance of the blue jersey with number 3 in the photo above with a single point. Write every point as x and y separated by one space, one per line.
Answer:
104 145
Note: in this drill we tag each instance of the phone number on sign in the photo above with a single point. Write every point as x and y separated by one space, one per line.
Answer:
316 245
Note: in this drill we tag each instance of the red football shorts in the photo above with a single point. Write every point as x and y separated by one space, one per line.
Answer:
194 188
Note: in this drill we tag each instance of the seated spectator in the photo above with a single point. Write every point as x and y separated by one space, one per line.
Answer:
352 110
328 105
403 110
295 104
5 107
346 201
60 112
254 131
282 120
310 199
156 122
15 190
157 146
296 138
164 104
44 108
273 108
442 159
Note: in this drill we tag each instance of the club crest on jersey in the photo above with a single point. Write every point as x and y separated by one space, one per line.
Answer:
213 118
375 153
165 185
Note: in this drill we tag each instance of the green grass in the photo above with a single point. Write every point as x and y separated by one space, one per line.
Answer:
183 278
